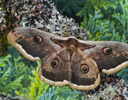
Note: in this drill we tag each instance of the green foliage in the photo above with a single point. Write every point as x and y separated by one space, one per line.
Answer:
91 5
70 7
102 29
14 74
35 91
123 74
109 23
8 83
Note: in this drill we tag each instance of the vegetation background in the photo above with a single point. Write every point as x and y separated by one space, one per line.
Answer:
106 20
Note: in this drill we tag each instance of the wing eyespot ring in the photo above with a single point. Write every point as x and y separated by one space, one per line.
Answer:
84 68
55 63
107 50
37 39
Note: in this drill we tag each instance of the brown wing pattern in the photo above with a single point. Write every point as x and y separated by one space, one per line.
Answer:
69 61
109 56
33 43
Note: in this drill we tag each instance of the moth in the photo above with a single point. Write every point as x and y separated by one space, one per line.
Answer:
67 60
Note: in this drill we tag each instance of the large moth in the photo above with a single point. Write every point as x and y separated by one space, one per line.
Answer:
69 61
